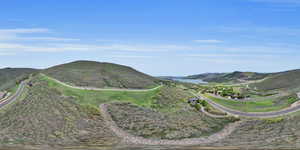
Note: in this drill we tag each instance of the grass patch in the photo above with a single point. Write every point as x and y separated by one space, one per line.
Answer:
274 120
95 98
255 106
14 89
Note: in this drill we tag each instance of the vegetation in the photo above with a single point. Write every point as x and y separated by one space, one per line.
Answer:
100 75
46 116
274 133
95 98
9 77
213 110
283 80
50 113
256 106
224 91
234 77
184 123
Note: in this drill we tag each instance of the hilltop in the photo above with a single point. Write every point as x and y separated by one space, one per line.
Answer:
282 80
100 75
9 76
233 77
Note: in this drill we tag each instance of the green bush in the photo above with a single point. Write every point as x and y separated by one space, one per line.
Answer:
198 106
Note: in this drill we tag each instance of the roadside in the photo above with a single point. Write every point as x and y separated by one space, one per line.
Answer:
250 114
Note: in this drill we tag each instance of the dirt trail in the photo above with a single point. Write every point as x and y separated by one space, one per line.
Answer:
131 139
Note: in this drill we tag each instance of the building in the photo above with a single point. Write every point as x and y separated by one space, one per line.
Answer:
193 101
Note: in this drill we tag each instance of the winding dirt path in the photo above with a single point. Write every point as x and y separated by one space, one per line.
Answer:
131 139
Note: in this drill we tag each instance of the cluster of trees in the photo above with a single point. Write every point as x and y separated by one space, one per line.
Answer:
224 92
197 103
21 78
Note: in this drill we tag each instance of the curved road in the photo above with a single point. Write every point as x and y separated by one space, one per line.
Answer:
250 114
14 97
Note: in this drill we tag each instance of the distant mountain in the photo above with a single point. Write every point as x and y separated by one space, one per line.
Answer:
205 76
229 77
100 75
281 80
9 76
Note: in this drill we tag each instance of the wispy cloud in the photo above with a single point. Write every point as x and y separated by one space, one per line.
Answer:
59 47
6 54
22 34
23 30
39 39
261 30
130 56
208 41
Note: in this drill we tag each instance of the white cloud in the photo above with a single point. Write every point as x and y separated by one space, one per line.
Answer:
21 34
130 56
40 39
208 41
6 54
58 47
235 56
23 30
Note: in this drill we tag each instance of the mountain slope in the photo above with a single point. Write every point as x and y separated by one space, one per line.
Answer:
229 77
281 80
46 116
100 75
9 76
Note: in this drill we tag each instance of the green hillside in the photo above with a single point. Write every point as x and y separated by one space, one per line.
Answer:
45 116
51 113
229 77
100 75
282 80
9 76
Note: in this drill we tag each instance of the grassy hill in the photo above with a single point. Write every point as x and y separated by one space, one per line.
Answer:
51 113
9 76
281 80
45 116
100 75
229 77
206 76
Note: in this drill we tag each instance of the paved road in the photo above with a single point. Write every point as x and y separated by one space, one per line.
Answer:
250 114
13 97
101 89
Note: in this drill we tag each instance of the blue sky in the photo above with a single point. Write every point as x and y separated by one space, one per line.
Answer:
158 37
